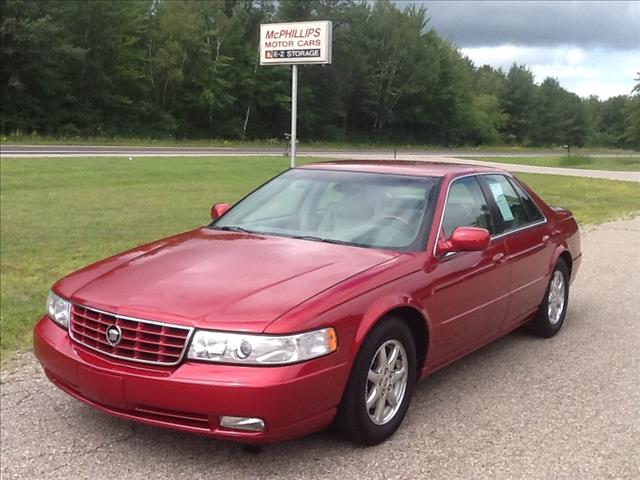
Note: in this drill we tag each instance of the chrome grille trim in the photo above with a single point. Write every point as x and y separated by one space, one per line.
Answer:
189 331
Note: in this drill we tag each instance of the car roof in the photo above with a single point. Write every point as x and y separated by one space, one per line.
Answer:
397 167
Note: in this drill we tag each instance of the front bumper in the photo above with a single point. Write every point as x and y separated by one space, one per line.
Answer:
292 400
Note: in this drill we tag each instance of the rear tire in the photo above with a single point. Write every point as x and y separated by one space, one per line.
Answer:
380 386
550 316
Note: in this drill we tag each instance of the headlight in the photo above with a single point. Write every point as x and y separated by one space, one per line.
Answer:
58 309
224 347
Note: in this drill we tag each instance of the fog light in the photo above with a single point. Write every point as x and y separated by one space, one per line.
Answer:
243 423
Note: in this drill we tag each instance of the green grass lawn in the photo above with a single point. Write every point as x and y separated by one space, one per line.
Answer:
591 201
59 214
628 163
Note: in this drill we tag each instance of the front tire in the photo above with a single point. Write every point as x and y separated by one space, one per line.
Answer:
553 309
380 386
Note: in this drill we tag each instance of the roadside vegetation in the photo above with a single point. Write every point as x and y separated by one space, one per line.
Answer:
189 69
589 162
60 214
280 143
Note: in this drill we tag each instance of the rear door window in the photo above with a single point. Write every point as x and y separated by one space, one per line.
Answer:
511 211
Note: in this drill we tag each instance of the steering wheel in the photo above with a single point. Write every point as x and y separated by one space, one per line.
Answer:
404 226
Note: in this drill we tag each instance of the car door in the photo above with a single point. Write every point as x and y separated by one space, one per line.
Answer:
525 232
469 294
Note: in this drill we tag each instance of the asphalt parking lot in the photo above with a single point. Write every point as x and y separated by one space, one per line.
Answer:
522 407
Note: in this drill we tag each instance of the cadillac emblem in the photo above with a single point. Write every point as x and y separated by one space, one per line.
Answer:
114 335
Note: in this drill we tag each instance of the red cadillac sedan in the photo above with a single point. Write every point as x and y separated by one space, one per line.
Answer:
320 298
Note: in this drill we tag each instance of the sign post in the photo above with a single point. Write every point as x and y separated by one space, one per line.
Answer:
294 113
294 44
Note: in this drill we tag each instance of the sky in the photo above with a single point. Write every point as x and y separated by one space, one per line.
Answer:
591 47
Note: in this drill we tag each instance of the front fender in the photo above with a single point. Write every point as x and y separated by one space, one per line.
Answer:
379 308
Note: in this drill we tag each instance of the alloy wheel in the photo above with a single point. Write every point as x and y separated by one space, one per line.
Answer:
386 382
555 301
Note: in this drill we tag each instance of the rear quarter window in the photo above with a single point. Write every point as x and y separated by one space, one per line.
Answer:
534 213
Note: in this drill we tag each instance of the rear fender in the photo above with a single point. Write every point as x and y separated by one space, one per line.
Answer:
568 234
554 259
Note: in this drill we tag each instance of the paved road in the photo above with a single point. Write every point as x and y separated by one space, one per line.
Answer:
565 408
26 151
512 167
84 150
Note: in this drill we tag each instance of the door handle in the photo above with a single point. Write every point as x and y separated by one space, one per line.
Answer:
545 239
498 258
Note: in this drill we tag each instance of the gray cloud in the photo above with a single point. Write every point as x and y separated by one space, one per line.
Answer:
586 24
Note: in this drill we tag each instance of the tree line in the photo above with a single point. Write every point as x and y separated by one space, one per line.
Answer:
190 69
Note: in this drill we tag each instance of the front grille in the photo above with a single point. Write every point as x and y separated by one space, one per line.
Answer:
140 340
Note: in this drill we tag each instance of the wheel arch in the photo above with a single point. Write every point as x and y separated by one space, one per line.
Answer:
411 314
566 256
419 328
562 252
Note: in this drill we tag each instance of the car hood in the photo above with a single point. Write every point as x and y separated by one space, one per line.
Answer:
215 279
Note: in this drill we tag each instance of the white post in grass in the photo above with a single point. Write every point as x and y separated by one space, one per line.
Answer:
294 113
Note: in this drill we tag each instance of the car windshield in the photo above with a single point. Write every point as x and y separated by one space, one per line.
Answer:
362 209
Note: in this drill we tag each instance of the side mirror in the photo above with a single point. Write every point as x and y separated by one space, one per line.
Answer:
466 239
219 209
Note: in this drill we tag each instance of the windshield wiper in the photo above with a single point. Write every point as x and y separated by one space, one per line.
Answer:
234 228
325 240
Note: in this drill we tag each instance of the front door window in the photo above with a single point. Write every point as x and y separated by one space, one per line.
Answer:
466 207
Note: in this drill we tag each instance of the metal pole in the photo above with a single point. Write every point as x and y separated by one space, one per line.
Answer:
294 113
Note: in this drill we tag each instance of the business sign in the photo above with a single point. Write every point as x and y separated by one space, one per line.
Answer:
295 43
